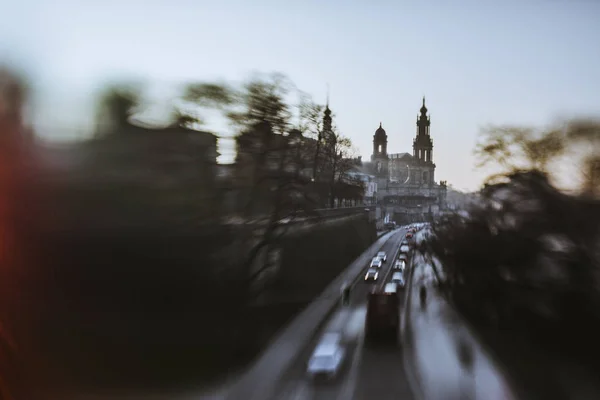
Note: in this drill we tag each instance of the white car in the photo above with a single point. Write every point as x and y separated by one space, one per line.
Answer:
372 275
382 255
399 265
404 249
398 279
327 358
376 263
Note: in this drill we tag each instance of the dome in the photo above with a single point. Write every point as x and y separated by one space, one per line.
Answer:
380 131
423 108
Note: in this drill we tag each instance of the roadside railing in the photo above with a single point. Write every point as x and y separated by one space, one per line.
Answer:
302 217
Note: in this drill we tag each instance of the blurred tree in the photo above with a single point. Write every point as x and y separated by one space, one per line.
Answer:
339 154
210 95
19 301
586 132
202 95
522 148
274 161
311 125
333 152
591 175
181 118
270 161
116 105
511 146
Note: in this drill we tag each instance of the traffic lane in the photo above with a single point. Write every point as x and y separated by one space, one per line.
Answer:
295 384
391 247
382 373
448 359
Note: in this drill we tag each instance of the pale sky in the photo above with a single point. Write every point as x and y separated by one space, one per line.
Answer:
477 62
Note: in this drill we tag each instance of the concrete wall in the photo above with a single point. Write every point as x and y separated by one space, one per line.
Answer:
313 256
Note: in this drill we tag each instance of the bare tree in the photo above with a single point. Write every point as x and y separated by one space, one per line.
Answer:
311 125
338 151
270 164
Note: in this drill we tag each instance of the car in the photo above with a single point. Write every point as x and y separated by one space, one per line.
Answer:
404 249
382 255
409 235
400 265
403 257
371 275
404 243
390 288
398 278
376 263
327 359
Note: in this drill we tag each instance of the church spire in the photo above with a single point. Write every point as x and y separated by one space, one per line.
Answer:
423 144
327 120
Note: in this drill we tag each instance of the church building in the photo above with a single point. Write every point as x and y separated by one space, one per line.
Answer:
406 182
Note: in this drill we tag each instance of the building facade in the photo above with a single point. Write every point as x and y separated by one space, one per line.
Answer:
369 183
406 184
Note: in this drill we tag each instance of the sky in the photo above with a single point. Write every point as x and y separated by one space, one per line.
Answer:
484 62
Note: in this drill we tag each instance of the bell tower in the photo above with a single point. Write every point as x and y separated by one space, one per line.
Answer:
423 147
380 157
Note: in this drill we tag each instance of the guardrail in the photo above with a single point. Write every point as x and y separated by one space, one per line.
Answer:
302 217
341 211
294 338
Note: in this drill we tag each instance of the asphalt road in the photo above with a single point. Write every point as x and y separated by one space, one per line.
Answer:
368 373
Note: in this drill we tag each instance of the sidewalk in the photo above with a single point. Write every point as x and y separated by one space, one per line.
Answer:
447 360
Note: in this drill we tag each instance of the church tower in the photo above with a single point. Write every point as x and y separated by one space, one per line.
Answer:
423 147
380 157
327 123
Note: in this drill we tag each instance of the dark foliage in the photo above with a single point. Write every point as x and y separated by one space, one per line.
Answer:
526 259
313 259
125 287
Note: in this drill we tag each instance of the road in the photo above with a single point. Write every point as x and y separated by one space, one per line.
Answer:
368 373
